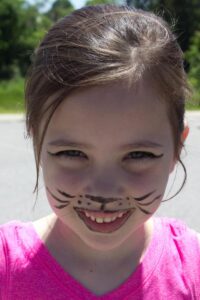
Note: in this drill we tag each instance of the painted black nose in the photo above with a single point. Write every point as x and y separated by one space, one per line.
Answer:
101 199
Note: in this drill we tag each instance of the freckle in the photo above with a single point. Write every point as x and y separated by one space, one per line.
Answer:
80 196
120 204
79 202
88 203
127 198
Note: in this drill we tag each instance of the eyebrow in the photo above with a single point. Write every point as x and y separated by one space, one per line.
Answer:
137 144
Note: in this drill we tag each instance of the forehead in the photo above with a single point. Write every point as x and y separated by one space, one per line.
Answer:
113 112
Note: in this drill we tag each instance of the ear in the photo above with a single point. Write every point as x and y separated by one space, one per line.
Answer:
184 136
185 132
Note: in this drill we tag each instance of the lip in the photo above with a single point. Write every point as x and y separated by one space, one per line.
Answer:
103 227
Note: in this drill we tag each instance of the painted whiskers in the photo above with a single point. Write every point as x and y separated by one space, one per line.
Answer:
126 203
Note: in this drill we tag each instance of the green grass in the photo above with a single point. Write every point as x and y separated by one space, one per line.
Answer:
191 107
12 96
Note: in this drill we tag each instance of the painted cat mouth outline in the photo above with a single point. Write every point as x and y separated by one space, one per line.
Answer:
137 200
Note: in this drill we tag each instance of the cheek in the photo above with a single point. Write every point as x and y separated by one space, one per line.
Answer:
56 177
67 180
152 179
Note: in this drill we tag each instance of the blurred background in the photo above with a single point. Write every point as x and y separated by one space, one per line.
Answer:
24 22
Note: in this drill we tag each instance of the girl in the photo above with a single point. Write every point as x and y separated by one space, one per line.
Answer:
105 108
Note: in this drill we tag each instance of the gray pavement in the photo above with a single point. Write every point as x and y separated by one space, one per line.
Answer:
17 176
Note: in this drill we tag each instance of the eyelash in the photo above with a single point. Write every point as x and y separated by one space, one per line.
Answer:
144 155
140 155
67 153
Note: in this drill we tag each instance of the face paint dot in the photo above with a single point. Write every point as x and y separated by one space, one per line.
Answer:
79 202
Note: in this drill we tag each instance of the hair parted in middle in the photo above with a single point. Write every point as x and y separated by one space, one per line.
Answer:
100 45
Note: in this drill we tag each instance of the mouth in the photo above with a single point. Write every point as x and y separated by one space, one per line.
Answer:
103 222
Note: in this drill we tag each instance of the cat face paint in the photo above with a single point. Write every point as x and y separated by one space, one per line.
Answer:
105 139
88 201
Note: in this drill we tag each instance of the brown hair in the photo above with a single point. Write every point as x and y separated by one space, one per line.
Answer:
98 45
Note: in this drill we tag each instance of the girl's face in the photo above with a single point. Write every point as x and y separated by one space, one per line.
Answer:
106 158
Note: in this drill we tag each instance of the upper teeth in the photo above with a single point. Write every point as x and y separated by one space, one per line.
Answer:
106 219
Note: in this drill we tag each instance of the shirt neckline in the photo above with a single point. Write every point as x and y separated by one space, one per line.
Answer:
135 283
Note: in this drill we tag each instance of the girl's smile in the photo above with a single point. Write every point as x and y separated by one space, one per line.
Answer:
103 222
106 158
110 220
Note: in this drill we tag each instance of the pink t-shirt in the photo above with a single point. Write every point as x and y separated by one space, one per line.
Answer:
170 268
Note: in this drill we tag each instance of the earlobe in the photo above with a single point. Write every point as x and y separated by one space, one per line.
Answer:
185 132
184 136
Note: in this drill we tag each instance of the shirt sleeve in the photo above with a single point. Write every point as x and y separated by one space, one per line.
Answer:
187 242
3 265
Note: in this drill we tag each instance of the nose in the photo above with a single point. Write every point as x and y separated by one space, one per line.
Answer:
107 184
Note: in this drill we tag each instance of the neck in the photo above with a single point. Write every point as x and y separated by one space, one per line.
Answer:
71 248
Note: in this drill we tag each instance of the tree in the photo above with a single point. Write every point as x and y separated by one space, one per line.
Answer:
193 57
186 13
96 2
144 4
21 28
33 27
59 9
9 34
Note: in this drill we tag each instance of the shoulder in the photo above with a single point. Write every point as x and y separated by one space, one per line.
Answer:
15 237
183 241
8 250
8 231
9 237
180 257
18 244
178 228
19 241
